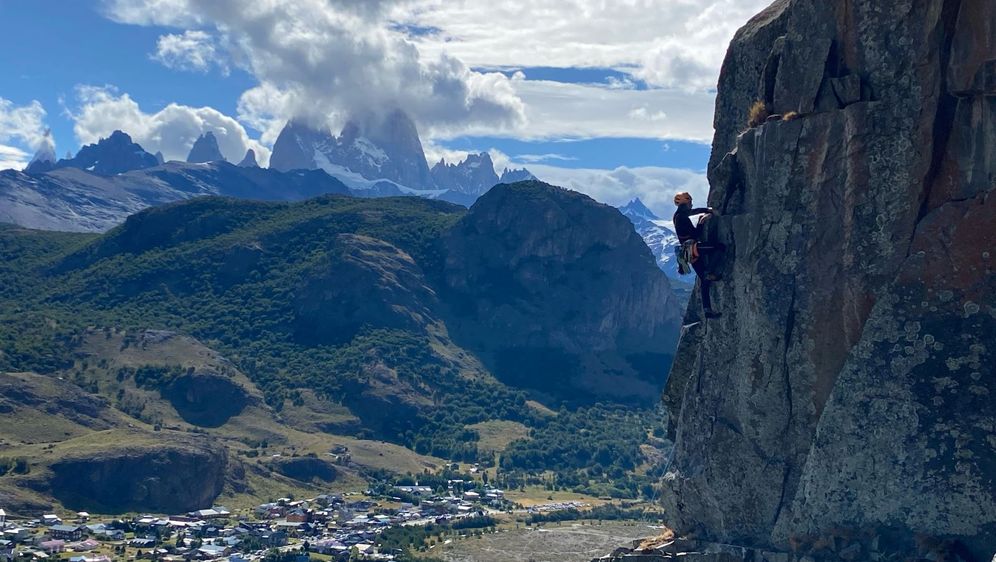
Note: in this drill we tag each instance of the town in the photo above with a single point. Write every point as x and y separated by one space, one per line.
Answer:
328 527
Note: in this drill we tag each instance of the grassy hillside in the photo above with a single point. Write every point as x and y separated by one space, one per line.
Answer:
340 317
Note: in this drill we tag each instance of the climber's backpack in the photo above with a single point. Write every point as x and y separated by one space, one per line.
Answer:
687 254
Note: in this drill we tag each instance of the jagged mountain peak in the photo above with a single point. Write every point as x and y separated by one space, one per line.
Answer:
205 149
249 160
513 175
375 147
473 176
115 154
385 148
660 239
44 158
297 145
637 210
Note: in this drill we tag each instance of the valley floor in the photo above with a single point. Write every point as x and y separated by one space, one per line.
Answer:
574 541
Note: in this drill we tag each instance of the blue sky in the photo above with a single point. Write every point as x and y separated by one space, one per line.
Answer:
633 98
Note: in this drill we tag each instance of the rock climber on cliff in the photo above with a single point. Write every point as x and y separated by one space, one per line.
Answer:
695 249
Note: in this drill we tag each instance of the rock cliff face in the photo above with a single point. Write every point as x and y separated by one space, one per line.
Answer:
142 478
576 307
848 386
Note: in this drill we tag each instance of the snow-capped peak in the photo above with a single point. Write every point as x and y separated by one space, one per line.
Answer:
635 210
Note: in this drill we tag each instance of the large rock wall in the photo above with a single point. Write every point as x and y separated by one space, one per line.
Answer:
849 383
559 293
173 477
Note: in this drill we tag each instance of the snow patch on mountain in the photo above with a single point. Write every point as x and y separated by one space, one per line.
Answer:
659 236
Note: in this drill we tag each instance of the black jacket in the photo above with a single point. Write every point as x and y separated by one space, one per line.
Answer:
683 226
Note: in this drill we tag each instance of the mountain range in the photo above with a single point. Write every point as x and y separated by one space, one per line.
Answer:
385 153
115 177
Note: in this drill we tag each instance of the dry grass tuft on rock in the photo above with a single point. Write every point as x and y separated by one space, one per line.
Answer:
791 116
651 543
758 114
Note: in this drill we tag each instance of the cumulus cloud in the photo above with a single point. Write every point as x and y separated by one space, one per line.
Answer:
655 186
669 43
323 59
172 130
558 110
24 123
191 50
22 129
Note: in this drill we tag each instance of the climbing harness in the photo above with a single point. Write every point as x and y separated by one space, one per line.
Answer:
688 253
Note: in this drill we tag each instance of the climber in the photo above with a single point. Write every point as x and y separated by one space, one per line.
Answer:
699 251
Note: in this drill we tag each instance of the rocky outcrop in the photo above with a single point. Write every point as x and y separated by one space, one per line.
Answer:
305 469
114 155
206 399
205 149
172 477
559 293
847 388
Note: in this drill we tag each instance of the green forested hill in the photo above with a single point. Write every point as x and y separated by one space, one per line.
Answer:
418 317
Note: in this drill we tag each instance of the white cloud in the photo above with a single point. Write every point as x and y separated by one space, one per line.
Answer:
326 58
191 50
557 110
13 158
434 153
672 43
25 123
171 130
644 113
655 186
24 128
536 158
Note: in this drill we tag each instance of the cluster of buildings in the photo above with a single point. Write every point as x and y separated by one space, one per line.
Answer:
329 524
192 536
558 506
339 526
